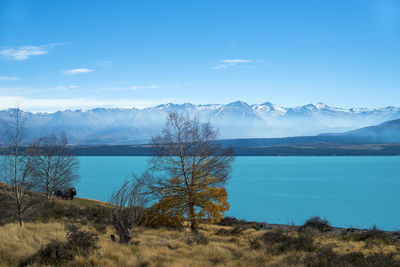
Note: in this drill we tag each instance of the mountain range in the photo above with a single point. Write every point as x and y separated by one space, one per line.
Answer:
380 140
237 120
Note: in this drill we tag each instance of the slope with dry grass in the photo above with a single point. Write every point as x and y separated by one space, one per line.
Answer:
216 245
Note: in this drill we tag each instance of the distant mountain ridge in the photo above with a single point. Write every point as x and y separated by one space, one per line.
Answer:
234 120
387 132
380 140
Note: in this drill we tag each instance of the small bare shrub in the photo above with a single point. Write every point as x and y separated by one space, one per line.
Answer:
317 223
196 239
229 221
327 257
83 242
128 208
173 246
56 252
254 243
371 235
280 242
227 232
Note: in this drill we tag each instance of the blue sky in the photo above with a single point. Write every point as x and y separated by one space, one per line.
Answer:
97 53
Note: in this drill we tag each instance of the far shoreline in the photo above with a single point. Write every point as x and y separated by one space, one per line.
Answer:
306 150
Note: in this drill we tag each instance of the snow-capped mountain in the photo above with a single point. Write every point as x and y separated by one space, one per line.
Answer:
234 120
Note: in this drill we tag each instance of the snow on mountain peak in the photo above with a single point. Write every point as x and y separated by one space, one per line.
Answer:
234 120
239 104
321 106
269 107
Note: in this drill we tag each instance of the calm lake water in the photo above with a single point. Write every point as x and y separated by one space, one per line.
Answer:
348 191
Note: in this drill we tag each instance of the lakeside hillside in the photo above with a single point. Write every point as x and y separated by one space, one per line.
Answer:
46 241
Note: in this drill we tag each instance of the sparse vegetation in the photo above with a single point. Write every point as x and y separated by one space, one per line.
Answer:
16 171
54 168
327 257
188 173
317 223
231 231
370 235
279 242
87 243
128 208
55 252
177 230
30 174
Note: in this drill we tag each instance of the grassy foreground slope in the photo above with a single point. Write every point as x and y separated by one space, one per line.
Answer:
239 244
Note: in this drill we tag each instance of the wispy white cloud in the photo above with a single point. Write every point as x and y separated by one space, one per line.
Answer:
77 71
27 51
8 78
63 87
221 66
236 61
155 86
127 86
227 63
137 87
102 63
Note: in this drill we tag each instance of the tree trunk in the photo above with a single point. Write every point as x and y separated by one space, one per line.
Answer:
124 238
49 193
193 221
193 226
122 226
19 215
124 233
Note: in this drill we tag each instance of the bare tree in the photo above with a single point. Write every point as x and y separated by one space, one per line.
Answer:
53 166
128 204
16 169
190 169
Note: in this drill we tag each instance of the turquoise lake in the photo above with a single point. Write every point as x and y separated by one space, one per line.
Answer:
347 191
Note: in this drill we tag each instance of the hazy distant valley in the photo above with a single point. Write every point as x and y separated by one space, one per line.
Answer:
236 120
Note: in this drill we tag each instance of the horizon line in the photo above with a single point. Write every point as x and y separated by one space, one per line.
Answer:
188 103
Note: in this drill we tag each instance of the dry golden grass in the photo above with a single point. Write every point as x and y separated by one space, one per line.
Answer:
162 247
342 247
80 202
17 243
